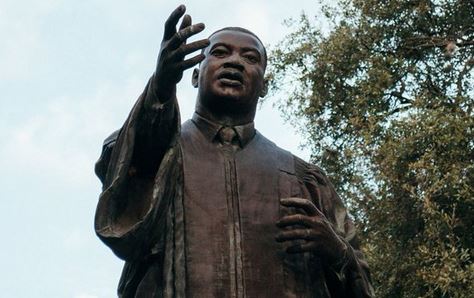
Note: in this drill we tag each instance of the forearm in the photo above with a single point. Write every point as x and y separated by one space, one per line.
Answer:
127 168
143 155
157 127
158 121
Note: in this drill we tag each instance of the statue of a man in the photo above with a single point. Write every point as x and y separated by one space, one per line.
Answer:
211 208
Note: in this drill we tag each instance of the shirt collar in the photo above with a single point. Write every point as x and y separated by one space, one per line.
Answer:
210 129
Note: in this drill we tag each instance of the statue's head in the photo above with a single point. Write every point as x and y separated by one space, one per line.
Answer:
231 77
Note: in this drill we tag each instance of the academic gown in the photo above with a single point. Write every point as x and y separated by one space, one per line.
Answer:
196 218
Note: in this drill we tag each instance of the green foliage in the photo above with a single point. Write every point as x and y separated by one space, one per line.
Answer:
386 98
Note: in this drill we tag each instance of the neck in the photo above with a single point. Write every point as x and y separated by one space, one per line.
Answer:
228 117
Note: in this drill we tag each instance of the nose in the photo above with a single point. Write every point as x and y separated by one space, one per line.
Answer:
234 61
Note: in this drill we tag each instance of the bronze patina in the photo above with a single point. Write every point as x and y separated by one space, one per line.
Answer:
211 208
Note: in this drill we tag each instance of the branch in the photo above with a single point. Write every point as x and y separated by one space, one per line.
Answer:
467 68
403 99
398 110
465 43
434 42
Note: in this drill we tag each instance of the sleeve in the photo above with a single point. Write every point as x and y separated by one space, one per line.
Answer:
132 159
350 277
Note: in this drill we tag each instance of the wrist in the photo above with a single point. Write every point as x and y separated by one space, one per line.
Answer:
163 94
158 93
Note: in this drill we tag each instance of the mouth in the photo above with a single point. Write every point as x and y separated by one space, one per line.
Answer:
231 78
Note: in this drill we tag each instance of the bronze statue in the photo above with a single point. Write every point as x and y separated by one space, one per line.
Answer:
211 208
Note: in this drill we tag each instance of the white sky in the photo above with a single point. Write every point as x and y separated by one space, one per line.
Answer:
69 73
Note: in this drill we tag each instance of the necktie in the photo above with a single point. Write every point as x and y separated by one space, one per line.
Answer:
228 137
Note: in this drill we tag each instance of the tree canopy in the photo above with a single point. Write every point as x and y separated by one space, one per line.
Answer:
385 97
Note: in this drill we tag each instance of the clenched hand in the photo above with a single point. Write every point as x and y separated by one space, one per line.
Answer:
310 231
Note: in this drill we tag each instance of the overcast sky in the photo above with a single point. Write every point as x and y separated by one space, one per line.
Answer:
69 73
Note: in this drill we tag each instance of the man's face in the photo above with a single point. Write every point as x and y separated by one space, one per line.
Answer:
233 71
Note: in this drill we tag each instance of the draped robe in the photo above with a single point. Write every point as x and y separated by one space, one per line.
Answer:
194 220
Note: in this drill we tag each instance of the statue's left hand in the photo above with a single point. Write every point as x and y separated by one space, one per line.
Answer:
310 231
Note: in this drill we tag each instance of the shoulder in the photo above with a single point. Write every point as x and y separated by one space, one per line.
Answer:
111 139
322 193
283 158
307 171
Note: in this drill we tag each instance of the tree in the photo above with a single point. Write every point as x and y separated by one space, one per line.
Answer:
386 99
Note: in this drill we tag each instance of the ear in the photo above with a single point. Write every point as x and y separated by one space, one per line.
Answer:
264 90
195 78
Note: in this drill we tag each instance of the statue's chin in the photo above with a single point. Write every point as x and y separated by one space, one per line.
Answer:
222 98
228 105
232 94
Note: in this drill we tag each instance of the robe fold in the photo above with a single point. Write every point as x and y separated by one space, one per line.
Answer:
193 218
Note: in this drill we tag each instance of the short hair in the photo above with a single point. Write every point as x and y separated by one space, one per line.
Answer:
240 29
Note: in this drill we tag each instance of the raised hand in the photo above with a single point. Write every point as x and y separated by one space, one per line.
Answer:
310 232
171 63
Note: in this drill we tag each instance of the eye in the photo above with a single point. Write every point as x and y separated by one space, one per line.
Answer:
219 52
252 58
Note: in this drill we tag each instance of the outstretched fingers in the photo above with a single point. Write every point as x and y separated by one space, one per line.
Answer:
186 22
186 64
190 48
184 34
172 21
